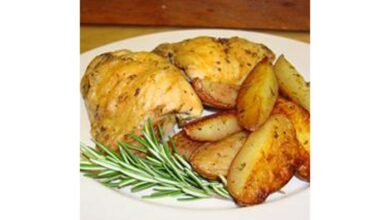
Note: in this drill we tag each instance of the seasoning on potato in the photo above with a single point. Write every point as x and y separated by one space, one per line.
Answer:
266 162
257 96
213 127
213 159
291 83
300 118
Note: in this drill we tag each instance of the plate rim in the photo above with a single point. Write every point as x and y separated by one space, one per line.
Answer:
191 30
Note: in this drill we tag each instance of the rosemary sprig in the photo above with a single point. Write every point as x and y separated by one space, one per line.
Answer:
166 172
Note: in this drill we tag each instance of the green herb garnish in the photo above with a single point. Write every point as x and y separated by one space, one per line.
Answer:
166 172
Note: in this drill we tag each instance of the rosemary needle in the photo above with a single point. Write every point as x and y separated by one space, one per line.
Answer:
164 171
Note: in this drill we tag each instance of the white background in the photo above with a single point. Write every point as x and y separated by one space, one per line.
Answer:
39 110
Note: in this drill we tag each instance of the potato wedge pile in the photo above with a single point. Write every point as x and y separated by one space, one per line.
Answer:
261 144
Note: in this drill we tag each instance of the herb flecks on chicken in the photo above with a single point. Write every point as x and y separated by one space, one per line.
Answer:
123 89
223 63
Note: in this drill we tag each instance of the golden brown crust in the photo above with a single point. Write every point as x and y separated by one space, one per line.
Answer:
122 89
221 61
213 159
213 127
300 119
303 172
266 162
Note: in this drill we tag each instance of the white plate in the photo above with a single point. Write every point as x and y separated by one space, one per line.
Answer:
101 203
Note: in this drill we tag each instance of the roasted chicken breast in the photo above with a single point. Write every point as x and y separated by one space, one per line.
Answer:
122 89
222 63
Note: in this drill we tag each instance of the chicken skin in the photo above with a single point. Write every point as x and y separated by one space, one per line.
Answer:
216 67
123 89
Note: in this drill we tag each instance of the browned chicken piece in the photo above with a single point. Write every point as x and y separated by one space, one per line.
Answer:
122 89
217 66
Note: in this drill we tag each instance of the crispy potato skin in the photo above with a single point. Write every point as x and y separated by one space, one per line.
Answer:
216 95
186 146
214 159
213 127
291 83
257 96
266 162
300 118
303 172
223 63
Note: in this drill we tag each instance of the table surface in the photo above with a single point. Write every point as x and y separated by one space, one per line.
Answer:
95 36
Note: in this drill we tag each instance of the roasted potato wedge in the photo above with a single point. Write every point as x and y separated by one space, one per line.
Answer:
216 95
291 83
213 127
300 118
266 162
257 96
184 145
214 159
